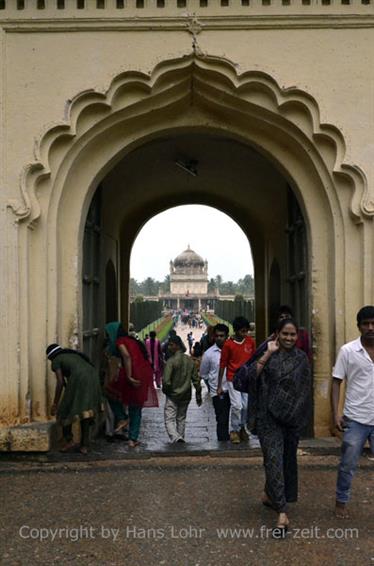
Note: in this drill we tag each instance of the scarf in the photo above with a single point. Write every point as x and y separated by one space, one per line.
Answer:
112 331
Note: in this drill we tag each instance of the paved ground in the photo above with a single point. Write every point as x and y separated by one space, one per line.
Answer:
183 329
188 511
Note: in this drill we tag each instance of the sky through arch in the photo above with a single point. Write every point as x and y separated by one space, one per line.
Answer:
209 232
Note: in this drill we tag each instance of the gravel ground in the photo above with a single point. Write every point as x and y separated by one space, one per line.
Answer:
177 511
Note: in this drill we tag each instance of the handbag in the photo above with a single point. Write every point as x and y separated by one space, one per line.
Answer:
241 379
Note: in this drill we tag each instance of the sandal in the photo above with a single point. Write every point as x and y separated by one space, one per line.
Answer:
133 443
280 531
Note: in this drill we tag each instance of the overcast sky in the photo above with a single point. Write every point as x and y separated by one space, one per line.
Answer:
209 232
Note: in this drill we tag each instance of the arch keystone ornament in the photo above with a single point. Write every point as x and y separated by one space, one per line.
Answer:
195 94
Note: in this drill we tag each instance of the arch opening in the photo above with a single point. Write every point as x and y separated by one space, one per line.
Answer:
198 256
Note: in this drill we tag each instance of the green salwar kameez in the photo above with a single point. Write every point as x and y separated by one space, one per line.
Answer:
82 398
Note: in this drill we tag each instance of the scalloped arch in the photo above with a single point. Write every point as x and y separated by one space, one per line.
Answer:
189 76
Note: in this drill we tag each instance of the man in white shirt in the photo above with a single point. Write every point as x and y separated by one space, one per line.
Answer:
355 364
209 370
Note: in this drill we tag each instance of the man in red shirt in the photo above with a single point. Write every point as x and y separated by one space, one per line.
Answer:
235 352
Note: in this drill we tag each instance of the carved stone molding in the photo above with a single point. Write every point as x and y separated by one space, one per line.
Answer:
196 77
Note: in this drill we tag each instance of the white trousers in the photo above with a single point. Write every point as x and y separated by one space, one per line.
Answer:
239 407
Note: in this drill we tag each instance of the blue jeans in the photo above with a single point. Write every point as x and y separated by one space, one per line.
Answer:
355 436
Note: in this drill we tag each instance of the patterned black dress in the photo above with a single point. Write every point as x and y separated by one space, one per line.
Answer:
282 399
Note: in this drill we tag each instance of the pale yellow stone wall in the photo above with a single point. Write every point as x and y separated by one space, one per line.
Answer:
306 66
195 288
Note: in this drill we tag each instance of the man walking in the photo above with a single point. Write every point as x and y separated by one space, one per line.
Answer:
179 374
235 352
209 370
190 341
355 364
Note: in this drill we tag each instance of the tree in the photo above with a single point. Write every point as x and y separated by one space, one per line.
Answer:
249 285
228 288
218 280
134 286
150 287
212 285
166 284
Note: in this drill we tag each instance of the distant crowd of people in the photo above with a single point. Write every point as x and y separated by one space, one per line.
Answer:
262 395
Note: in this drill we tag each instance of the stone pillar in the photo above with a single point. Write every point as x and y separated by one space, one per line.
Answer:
14 382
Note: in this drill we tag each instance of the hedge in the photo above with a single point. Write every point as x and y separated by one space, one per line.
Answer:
162 327
228 310
144 313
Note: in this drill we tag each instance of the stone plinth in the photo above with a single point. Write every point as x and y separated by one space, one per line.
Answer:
32 437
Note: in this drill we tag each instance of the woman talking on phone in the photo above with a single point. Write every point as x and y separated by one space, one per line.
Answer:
280 383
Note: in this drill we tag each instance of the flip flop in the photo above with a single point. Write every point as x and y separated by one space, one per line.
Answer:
280 532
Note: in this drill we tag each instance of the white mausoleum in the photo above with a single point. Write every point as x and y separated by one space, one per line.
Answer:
189 274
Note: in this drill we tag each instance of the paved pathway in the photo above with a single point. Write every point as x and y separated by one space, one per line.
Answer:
200 427
201 422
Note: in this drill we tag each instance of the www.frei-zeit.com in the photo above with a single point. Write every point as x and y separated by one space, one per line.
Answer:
113 534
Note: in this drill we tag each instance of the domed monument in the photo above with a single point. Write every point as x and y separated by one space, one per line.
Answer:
189 274
188 282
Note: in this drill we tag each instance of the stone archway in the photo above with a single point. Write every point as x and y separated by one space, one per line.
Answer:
111 302
181 95
274 291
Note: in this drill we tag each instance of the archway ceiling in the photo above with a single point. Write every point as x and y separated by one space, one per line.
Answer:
230 176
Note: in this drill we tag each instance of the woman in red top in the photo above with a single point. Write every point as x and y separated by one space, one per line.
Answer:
136 376
235 352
